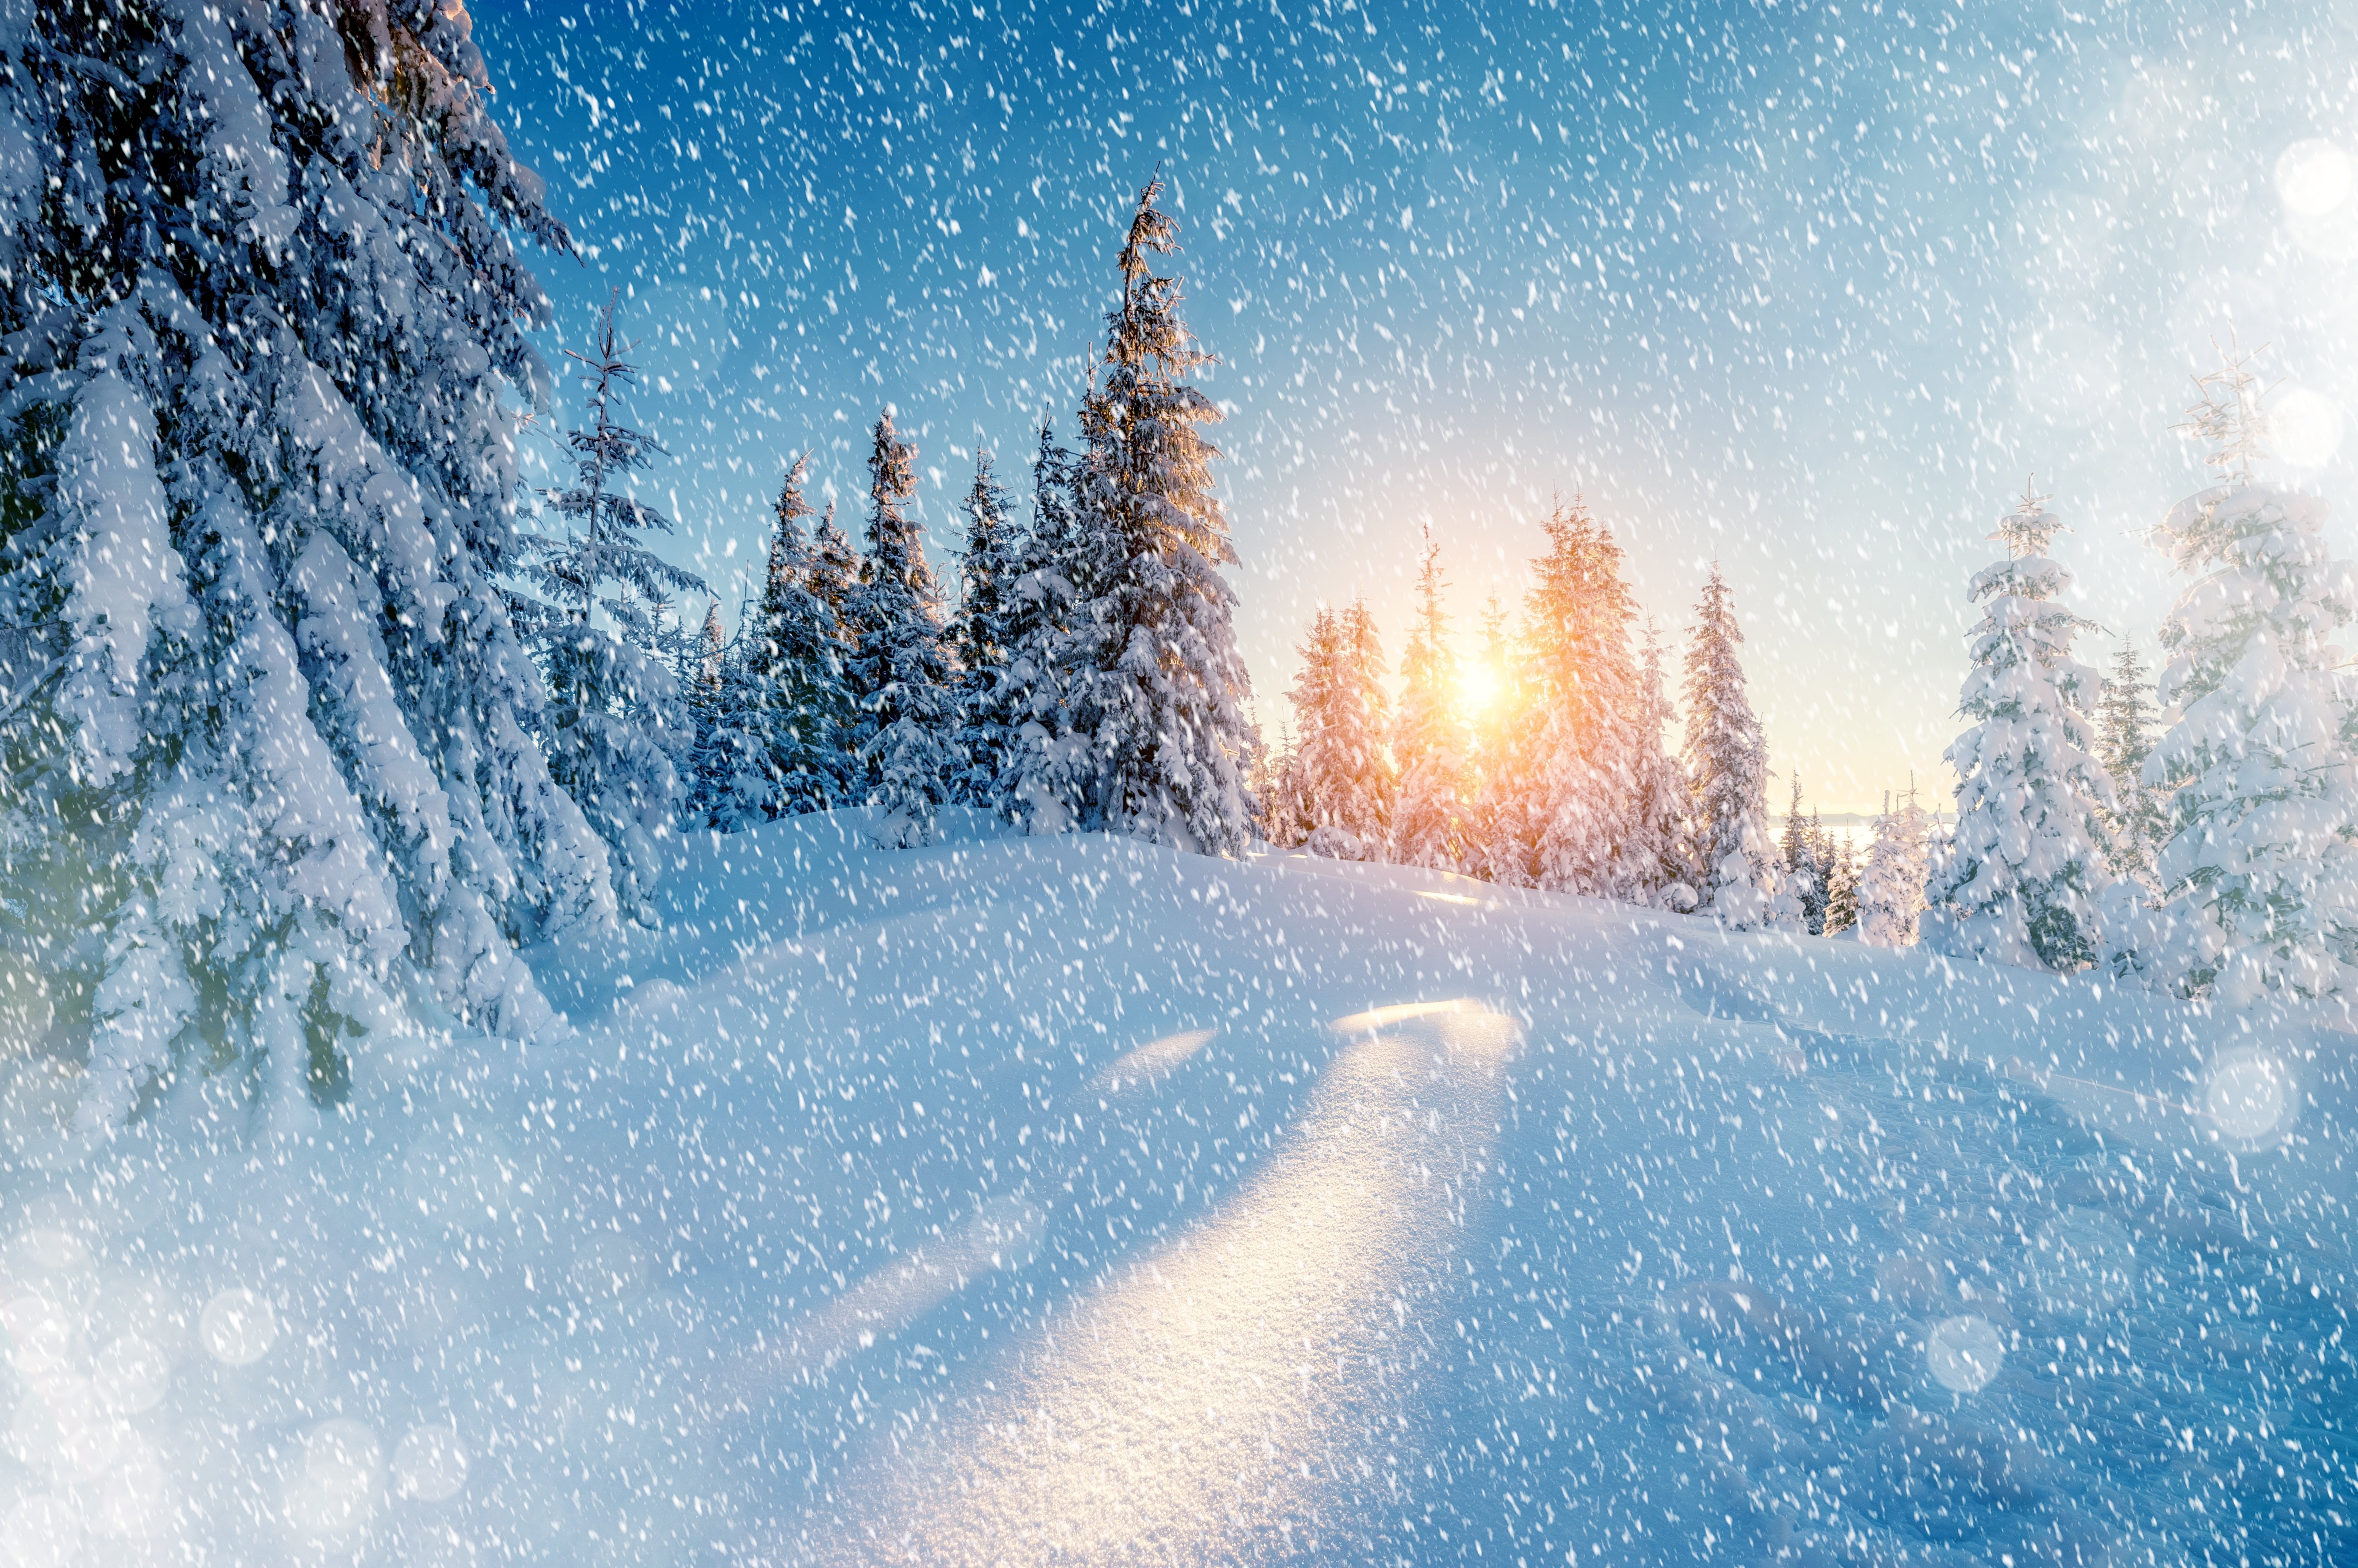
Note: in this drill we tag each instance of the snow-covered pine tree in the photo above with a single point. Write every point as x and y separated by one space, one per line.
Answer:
1842 886
730 782
2139 819
1891 888
900 671
1802 848
1727 766
1428 825
1650 863
1285 810
985 744
1582 775
1050 658
266 729
1166 708
614 718
2025 866
790 661
1340 769
2261 865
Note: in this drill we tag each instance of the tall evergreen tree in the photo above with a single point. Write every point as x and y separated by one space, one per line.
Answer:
266 732
2140 818
2261 866
1582 773
988 570
1165 712
2025 867
900 670
614 716
1428 825
1728 765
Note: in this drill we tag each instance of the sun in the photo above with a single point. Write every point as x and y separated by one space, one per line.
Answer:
1477 687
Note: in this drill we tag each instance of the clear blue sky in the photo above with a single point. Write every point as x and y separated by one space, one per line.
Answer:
1806 290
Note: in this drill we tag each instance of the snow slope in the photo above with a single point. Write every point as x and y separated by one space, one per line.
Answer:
1072 1200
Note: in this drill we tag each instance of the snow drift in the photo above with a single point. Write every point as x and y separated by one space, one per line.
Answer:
1034 1200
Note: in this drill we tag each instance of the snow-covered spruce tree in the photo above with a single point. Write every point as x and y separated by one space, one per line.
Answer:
1284 811
614 717
1164 711
729 782
1428 826
1582 774
900 670
1340 769
1803 846
2025 866
1050 658
2139 819
792 661
268 732
1727 767
1842 886
985 743
1891 887
2260 869
1650 864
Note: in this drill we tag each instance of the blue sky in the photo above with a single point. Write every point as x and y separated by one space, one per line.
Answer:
1807 290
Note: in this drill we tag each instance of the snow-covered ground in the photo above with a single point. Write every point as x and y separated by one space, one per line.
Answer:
1072 1200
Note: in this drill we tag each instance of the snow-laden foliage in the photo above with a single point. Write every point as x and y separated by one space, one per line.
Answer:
1429 821
1727 770
2260 869
2026 867
270 734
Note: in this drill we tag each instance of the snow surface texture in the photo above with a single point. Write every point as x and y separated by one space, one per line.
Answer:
1023 1200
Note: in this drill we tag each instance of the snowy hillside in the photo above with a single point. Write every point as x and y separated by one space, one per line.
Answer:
1024 1201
